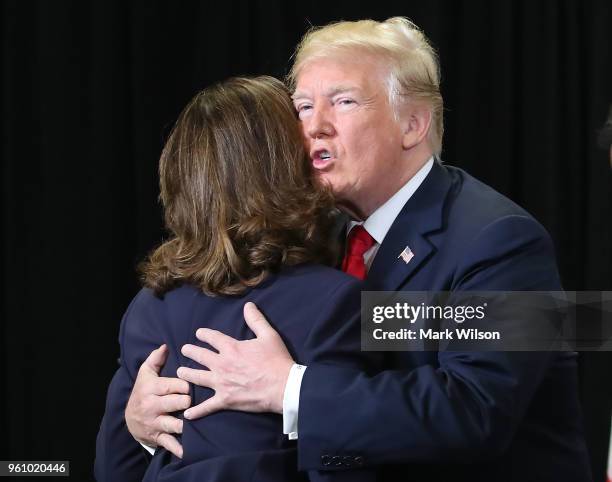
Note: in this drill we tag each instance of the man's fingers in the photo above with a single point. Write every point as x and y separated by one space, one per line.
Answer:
166 386
202 378
155 361
170 443
170 424
174 403
207 407
219 341
257 321
203 356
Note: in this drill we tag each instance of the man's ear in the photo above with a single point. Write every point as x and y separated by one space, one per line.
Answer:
416 119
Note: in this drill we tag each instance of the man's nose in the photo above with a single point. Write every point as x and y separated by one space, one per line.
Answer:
320 124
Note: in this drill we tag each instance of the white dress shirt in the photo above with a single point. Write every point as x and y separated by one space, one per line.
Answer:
378 225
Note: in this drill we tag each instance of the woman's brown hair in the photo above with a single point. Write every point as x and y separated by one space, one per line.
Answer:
238 193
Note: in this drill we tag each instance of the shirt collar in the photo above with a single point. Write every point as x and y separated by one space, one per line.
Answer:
380 221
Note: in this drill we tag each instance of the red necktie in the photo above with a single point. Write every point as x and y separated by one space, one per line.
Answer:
358 242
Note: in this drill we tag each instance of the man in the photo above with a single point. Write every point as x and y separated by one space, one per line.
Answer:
367 94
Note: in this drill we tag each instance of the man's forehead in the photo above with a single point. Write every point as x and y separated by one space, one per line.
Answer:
333 75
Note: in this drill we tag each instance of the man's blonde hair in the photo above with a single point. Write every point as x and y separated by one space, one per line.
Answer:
414 71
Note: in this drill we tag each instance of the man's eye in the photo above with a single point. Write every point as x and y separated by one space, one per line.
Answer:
303 110
346 101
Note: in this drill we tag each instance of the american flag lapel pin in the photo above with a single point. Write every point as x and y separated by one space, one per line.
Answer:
406 255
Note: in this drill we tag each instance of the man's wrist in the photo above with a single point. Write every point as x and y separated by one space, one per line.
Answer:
291 401
148 448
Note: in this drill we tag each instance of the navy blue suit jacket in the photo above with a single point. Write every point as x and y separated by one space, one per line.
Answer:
317 309
491 416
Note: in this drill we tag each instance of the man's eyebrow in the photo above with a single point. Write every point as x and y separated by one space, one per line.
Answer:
340 89
299 95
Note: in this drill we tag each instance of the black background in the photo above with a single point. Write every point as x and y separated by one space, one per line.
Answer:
91 89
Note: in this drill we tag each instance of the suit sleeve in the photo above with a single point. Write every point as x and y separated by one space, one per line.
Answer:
335 338
335 341
467 407
118 455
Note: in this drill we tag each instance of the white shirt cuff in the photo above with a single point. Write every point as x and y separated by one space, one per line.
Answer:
291 401
151 450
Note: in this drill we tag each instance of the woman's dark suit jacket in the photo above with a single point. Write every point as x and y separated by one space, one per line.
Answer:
316 311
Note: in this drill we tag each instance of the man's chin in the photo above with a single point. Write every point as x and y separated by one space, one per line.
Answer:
324 179
340 198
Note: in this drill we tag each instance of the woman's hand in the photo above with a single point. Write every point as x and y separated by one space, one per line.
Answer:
152 399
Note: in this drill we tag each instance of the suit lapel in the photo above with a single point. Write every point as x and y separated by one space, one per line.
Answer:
420 216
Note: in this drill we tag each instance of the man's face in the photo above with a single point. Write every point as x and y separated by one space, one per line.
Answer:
354 141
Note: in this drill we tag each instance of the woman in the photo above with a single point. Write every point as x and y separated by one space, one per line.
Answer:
247 222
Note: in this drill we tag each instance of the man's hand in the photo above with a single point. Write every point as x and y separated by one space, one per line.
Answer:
152 398
248 375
